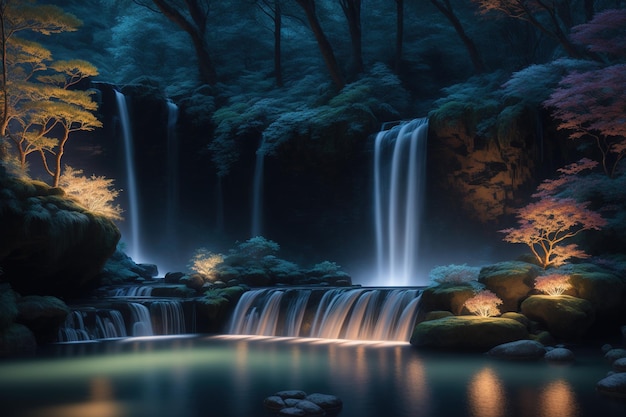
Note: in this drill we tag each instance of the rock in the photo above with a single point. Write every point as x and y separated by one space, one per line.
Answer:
605 348
149 270
329 403
446 297
8 306
467 332
615 354
297 394
193 281
559 355
173 277
517 317
511 281
604 290
310 408
274 403
434 315
292 411
565 317
17 340
613 385
43 315
519 350
619 365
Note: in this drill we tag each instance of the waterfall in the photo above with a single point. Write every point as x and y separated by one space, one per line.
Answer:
167 317
131 190
257 191
340 313
132 291
172 172
141 321
399 174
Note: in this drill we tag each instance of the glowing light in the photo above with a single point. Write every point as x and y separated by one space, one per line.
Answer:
553 284
558 400
486 395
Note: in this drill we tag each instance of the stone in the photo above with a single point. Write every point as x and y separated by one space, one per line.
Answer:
565 317
193 281
446 297
619 365
8 306
613 385
517 317
173 277
519 350
43 315
310 408
615 354
605 348
467 332
17 340
292 394
292 411
437 314
329 403
604 290
560 355
511 281
274 403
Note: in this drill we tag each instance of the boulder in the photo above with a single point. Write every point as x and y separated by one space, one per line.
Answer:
298 403
603 289
330 403
559 355
17 340
446 297
619 365
615 354
467 332
8 306
565 317
511 281
43 315
613 385
519 350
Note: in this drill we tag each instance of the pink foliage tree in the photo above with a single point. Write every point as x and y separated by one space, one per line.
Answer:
484 303
593 103
553 284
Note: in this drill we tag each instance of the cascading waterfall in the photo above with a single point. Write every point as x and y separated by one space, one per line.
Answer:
341 313
257 191
133 240
399 174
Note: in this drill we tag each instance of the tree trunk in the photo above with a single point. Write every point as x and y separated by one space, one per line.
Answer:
206 68
323 43
352 11
446 9
399 34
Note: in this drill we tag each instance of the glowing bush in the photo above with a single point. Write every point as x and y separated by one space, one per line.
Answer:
553 284
94 193
205 263
454 274
484 303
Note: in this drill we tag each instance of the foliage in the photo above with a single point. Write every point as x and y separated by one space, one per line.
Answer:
605 33
484 303
552 284
454 274
256 248
94 193
205 262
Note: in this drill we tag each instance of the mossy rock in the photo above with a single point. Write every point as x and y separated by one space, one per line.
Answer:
565 317
511 281
604 290
446 297
43 315
8 306
17 340
467 332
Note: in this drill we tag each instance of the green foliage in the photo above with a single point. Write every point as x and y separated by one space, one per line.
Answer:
454 274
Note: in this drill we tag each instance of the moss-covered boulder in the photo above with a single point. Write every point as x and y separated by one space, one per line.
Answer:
467 332
43 315
214 309
446 297
565 317
518 350
511 281
601 287
50 244
17 340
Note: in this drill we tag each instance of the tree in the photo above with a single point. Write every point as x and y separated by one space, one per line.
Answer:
40 106
192 17
352 11
532 11
445 7
322 41
273 10
553 284
94 193
484 304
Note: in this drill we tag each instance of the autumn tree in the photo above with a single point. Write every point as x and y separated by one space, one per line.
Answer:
40 106
591 104
95 193
546 224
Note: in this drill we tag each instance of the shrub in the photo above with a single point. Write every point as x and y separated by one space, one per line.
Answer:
553 284
484 303
454 274
205 262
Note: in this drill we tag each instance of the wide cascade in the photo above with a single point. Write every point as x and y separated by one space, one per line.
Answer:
339 313
399 178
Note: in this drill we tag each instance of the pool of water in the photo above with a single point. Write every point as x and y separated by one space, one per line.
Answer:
223 376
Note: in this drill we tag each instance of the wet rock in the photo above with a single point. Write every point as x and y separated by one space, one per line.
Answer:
613 385
615 354
298 403
329 403
511 281
43 315
519 350
274 403
559 355
565 317
619 365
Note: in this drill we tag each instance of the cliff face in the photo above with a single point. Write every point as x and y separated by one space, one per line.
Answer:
50 245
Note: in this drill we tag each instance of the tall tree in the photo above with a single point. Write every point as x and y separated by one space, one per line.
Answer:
273 10
445 7
192 17
322 41
352 11
399 34
531 11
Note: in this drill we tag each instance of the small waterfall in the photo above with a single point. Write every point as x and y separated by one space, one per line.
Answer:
167 317
172 172
131 190
399 171
132 291
340 313
141 323
257 191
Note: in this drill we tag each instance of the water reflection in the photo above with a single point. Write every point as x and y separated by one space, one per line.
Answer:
558 400
486 395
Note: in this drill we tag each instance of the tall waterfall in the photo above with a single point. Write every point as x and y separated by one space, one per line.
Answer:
172 172
339 313
133 241
399 171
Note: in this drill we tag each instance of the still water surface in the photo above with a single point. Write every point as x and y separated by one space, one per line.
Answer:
226 376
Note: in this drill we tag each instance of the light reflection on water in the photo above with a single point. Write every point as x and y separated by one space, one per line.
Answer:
230 376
